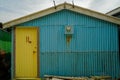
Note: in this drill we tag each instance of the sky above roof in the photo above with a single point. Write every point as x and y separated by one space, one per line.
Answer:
12 9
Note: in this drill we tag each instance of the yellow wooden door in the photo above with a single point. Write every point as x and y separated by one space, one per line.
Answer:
26 51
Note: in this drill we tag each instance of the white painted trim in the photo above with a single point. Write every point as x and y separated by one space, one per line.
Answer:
117 10
61 7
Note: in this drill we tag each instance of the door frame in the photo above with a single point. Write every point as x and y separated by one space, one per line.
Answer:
14 50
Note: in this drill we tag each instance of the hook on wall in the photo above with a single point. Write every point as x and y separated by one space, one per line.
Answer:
73 3
54 4
64 4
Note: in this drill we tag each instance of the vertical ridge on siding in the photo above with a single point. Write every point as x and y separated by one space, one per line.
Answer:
93 49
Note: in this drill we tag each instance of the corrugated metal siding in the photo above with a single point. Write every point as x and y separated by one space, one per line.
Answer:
80 63
93 49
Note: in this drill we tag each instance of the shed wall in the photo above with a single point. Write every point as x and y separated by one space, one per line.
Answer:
93 49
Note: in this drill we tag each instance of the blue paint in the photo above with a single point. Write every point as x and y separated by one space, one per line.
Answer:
93 49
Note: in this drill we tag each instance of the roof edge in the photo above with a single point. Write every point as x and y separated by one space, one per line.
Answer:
114 11
58 8
21 19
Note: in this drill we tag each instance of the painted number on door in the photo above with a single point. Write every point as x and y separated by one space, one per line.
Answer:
28 39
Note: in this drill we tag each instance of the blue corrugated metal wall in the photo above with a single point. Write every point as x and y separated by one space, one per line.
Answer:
93 49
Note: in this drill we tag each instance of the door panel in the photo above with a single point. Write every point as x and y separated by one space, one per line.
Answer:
26 52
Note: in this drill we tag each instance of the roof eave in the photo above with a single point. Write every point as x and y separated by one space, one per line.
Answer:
32 16
61 7
114 11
